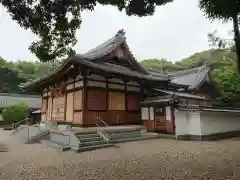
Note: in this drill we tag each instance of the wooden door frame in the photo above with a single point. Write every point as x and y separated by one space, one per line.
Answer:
155 120
173 119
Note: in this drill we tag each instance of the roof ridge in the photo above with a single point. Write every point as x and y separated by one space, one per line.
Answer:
203 71
187 71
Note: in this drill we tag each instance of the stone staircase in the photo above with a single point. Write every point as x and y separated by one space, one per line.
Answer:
90 141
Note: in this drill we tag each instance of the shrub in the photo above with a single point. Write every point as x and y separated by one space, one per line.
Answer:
15 113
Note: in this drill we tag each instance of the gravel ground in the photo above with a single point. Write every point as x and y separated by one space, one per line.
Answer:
150 159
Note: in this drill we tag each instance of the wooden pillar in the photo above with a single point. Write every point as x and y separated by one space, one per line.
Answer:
85 99
141 97
52 106
126 95
107 94
173 118
65 102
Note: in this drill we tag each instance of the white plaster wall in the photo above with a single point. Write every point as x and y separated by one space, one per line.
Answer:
116 80
219 122
96 77
168 113
187 122
132 88
181 123
151 111
194 123
144 111
133 83
116 86
96 84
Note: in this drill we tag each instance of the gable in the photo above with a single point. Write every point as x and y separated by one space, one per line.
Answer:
123 57
119 57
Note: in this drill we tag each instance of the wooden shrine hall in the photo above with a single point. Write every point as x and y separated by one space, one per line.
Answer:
105 82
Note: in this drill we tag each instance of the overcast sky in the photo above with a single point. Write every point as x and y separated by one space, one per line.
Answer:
176 31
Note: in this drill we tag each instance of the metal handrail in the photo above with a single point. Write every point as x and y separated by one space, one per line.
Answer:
103 131
16 123
102 121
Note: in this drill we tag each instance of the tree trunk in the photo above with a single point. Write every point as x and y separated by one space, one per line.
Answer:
237 39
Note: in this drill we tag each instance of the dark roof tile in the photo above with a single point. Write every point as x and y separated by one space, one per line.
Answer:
191 78
159 100
119 70
182 94
90 59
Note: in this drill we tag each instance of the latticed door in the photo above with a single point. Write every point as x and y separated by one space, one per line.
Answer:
160 120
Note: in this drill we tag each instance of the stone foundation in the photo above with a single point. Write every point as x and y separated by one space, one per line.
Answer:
209 137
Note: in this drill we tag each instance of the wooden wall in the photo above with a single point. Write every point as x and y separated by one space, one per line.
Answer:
63 101
82 100
113 100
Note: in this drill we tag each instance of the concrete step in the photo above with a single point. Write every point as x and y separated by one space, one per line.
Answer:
89 148
56 146
91 139
85 132
80 136
92 143
146 136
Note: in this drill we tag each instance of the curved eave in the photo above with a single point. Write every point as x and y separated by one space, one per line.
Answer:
200 80
78 59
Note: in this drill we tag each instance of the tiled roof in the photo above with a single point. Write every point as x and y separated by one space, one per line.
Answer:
32 101
159 100
107 67
208 108
91 58
182 94
192 78
105 48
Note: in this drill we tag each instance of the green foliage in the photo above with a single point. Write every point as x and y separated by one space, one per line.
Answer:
14 73
220 9
15 113
224 10
224 73
227 81
160 64
56 22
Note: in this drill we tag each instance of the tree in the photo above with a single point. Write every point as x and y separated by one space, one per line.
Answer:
15 113
56 21
161 64
224 75
227 81
225 10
